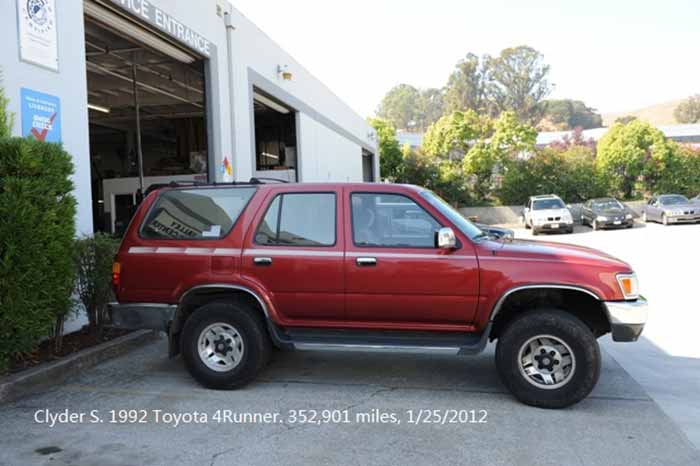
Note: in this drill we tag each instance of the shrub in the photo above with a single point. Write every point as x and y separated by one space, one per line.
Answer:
37 227
93 263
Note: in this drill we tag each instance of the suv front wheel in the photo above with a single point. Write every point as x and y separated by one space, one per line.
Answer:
224 345
548 358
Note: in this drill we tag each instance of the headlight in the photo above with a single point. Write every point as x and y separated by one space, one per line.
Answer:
628 285
601 218
628 216
674 212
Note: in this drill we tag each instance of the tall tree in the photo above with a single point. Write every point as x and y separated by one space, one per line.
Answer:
390 157
430 107
566 114
688 111
409 108
519 82
452 135
467 86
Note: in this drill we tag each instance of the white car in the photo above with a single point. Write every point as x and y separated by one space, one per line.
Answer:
547 212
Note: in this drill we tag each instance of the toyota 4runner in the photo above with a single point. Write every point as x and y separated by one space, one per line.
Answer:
230 272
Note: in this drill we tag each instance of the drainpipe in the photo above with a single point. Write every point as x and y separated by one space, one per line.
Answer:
229 49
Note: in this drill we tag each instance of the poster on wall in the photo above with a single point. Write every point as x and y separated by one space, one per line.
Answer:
41 115
37 32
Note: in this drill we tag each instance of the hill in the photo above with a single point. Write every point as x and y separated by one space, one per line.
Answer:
659 114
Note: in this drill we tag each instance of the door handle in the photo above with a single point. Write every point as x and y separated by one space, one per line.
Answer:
262 260
366 261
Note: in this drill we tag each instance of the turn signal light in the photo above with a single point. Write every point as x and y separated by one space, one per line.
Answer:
116 272
628 285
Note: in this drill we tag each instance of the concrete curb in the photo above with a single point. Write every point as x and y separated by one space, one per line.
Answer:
15 386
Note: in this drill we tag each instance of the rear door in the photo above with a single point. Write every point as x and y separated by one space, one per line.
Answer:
395 275
294 251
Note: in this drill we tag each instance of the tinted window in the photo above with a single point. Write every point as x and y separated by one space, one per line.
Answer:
544 204
299 219
673 200
195 213
391 220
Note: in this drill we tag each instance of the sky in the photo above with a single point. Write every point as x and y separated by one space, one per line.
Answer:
615 55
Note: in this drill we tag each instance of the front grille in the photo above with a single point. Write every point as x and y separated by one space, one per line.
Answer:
553 219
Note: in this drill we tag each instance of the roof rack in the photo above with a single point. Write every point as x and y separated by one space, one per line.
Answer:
262 179
183 183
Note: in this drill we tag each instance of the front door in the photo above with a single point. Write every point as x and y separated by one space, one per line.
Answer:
395 275
295 253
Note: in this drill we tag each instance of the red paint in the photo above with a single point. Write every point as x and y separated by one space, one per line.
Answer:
408 289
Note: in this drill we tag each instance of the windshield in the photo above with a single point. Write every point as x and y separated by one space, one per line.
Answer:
673 200
545 204
464 225
607 204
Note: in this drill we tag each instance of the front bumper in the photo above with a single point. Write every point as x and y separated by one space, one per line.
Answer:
683 218
135 316
554 226
627 318
616 223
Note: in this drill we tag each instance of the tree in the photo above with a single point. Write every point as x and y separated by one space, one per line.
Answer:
512 136
629 151
688 111
390 158
519 83
431 106
565 114
623 120
452 135
467 86
400 106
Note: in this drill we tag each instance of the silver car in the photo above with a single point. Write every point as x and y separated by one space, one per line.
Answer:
669 209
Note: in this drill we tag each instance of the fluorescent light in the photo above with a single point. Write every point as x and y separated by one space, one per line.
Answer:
270 103
98 108
129 29
272 156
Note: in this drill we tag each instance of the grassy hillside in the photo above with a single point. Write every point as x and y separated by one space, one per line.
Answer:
659 114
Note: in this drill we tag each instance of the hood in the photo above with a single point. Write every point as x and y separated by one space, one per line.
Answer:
610 212
550 213
688 206
545 251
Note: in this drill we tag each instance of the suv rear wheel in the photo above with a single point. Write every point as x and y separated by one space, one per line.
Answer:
224 345
548 358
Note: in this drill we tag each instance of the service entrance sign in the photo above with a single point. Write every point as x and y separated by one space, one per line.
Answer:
37 32
41 115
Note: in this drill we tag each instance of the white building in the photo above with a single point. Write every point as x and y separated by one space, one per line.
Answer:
148 91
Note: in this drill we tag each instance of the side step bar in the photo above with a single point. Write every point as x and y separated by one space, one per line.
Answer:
380 340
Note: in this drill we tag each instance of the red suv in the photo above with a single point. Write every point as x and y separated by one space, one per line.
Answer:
231 271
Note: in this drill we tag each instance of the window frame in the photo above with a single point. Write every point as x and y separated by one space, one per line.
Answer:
352 221
279 220
222 236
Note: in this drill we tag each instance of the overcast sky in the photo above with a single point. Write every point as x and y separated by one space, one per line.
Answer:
616 55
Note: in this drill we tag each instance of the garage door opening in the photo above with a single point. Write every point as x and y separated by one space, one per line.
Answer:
146 101
275 138
367 166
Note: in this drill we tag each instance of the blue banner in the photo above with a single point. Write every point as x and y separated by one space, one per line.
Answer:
41 115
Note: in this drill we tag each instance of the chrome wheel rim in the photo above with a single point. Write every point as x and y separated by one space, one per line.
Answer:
220 347
546 362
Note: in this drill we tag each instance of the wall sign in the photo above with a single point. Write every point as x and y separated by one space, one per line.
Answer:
146 11
41 115
38 42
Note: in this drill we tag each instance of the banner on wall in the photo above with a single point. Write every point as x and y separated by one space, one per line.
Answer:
38 38
41 115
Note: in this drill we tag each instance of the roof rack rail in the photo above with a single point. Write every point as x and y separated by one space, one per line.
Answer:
262 179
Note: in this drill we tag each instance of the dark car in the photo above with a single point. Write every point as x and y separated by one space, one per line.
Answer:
606 212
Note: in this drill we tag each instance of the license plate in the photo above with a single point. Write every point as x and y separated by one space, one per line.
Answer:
554 226
617 222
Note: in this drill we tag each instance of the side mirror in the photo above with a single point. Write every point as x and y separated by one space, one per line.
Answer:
446 238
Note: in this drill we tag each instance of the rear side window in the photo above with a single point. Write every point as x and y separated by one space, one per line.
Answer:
299 219
195 213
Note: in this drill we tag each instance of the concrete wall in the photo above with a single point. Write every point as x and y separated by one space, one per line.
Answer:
69 84
512 215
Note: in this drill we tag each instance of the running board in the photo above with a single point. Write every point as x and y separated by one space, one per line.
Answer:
381 340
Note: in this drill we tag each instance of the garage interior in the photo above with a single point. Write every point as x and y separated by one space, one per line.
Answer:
146 101
275 138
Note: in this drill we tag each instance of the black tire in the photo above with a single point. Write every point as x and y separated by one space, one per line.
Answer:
535 231
570 230
560 325
527 225
255 340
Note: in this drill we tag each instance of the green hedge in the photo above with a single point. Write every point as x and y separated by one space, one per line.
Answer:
37 230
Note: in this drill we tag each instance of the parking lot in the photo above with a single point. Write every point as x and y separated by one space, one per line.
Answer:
644 410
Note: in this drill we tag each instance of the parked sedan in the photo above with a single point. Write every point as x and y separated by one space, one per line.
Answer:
606 212
671 208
